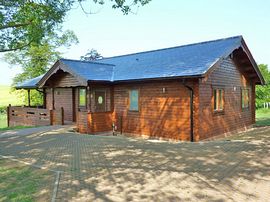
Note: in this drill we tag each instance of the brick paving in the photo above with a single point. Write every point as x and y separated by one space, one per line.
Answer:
109 168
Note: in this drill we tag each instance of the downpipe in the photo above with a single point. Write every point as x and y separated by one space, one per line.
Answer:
191 111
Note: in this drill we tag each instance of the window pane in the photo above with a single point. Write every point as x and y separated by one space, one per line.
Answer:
134 100
215 100
245 98
82 97
220 99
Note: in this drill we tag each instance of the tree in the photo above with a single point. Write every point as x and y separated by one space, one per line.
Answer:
37 58
263 92
26 22
91 55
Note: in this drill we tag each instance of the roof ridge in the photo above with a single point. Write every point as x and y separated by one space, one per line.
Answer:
99 63
161 49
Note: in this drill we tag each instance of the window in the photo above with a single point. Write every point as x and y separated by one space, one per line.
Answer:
245 98
82 97
218 100
134 100
100 101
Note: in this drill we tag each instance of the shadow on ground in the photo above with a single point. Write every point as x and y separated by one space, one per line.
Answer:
124 169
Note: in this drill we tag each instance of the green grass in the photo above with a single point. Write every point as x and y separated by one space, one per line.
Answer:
16 127
19 182
3 121
7 97
262 117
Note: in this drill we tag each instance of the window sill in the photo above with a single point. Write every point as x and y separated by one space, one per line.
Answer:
132 111
82 108
219 112
245 109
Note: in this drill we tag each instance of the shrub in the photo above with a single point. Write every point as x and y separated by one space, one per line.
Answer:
3 109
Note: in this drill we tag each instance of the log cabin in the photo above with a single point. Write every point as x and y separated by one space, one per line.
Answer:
189 93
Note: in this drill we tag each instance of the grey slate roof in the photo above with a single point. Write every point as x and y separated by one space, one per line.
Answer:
182 61
94 71
31 83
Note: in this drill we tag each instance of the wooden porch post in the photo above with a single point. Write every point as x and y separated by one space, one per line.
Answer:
253 102
53 98
8 114
74 107
44 98
28 94
88 99
112 99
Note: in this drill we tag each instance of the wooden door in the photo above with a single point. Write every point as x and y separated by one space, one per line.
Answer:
100 101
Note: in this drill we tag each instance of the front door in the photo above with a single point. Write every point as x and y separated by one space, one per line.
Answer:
100 102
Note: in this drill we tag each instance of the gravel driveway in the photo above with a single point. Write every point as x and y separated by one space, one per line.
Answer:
106 168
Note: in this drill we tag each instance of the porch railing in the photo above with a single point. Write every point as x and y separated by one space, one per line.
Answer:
28 116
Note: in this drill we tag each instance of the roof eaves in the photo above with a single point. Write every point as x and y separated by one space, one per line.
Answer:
160 78
26 87
252 60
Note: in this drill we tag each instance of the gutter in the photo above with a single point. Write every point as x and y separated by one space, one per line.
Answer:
191 111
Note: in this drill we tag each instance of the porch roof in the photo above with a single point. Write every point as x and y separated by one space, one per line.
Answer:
29 84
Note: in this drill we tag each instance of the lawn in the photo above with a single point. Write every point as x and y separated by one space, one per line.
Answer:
19 182
7 97
263 117
3 120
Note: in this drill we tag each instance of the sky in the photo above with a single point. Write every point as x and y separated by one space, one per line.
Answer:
162 24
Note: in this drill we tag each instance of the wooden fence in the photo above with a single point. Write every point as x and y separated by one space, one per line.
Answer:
26 116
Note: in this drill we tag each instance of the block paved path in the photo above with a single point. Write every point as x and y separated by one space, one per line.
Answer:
107 168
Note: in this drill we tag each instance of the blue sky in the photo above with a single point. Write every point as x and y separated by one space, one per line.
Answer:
162 24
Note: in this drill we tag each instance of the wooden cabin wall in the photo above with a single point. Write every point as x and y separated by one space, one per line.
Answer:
163 114
62 98
229 77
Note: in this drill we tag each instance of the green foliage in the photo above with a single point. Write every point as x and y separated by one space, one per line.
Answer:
3 120
91 55
263 92
36 59
262 117
24 22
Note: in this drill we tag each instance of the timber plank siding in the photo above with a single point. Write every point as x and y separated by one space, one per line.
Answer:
227 76
161 114
62 98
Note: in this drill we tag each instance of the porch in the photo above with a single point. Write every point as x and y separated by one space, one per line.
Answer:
34 116
67 98
89 108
